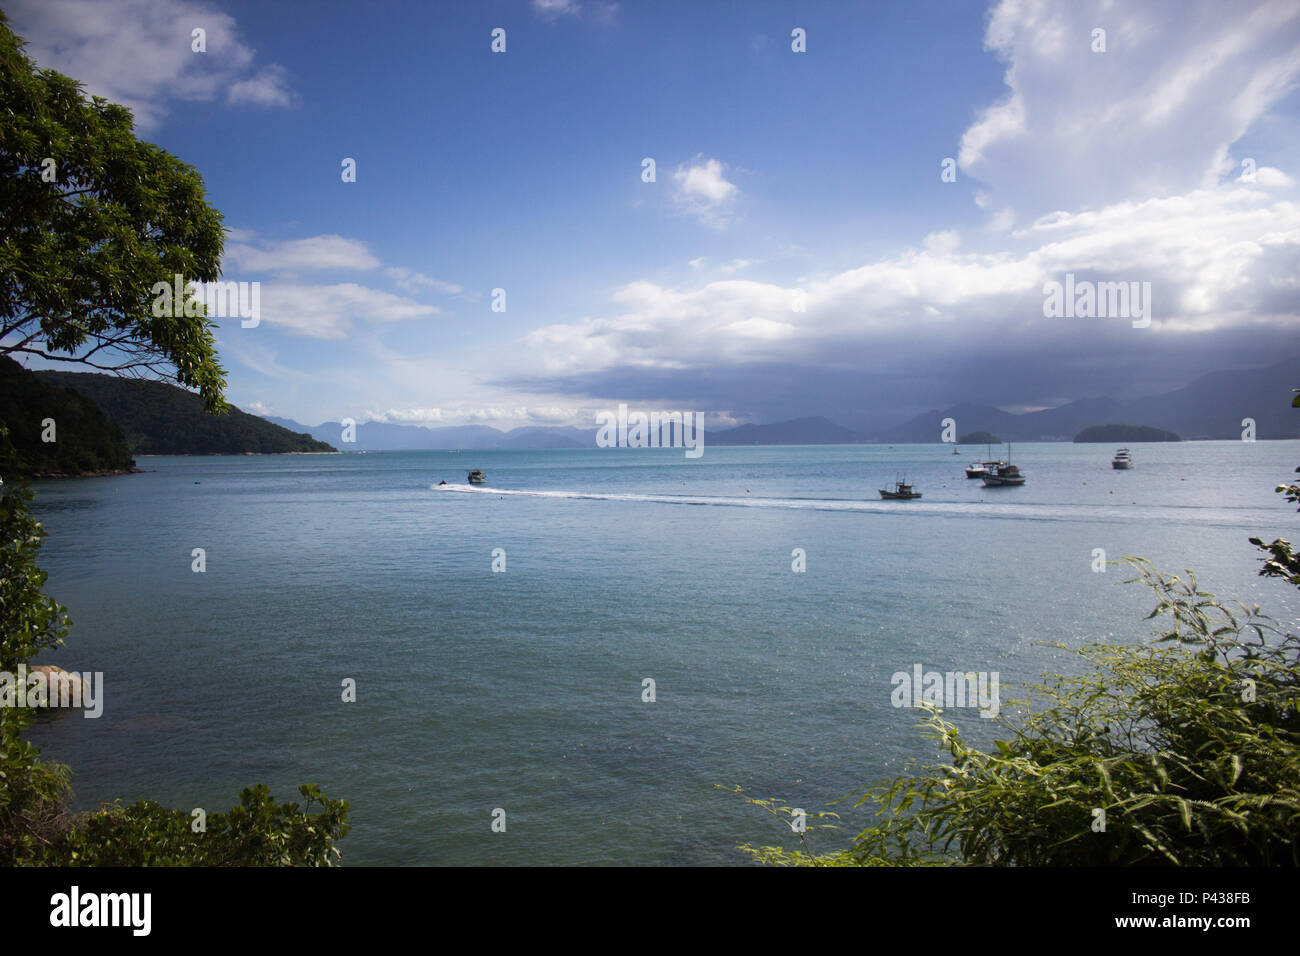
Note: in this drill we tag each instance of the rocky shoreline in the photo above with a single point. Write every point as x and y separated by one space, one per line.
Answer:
86 474
107 473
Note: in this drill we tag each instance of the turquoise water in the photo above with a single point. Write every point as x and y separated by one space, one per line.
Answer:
522 690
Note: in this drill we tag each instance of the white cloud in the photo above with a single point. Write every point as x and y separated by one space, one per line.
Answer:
324 310
944 242
314 252
407 416
258 355
412 281
704 182
760 328
1269 176
333 311
556 8
138 53
557 415
1154 115
504 418
246 254
736 265
599 11
1216 258
704 191
1002 220
270 87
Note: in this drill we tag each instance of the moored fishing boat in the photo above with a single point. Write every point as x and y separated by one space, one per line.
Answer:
984 467
1003 473
901 492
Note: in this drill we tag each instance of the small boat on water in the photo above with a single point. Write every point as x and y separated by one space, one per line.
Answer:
1003 473
1122 459
984 467
476 477
902 492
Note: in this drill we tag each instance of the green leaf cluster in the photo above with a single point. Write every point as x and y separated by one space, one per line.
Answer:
258 832
1283 560
91 218
1189 745
31 792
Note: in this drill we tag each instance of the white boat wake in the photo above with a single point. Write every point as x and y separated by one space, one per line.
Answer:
996 505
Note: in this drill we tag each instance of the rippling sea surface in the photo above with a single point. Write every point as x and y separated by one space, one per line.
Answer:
522 690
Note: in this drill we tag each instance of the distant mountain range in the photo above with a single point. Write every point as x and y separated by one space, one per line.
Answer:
797 431
143 418
381 436
1211 407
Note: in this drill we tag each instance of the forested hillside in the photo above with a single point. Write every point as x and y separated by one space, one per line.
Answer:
84 439
161 419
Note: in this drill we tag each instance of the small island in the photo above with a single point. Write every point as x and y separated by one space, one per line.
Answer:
979 438
1124 434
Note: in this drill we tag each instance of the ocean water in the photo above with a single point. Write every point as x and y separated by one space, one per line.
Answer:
522 690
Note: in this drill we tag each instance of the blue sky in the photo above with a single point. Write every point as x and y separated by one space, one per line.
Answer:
776 171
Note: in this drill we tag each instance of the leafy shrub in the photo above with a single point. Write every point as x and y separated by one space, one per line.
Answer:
31 792
1189 745
259 832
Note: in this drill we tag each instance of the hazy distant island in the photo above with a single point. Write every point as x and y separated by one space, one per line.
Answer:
979 438
65 424
1110 434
